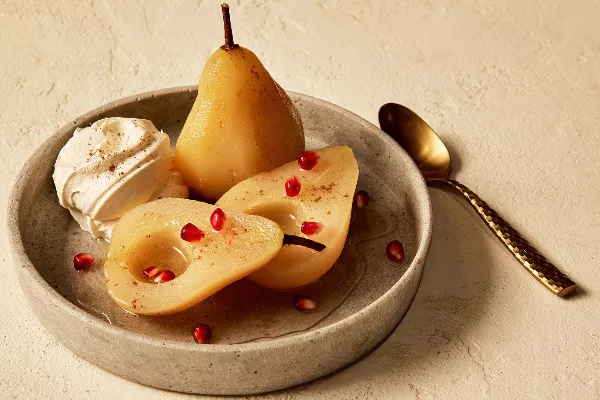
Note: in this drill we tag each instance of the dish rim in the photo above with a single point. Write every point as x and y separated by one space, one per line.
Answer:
22 260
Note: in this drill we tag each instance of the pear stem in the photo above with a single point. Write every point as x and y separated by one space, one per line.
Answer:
229 44
300 241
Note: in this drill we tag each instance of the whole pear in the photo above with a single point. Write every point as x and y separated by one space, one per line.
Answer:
242 123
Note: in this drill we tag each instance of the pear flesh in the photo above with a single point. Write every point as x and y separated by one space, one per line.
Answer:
149 235
326 197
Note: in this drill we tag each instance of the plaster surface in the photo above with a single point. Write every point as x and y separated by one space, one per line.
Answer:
512 86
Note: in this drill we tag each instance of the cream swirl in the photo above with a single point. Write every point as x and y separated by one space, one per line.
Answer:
112 166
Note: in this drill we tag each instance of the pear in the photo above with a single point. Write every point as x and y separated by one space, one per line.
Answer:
150 235
319 208
191 249
242 123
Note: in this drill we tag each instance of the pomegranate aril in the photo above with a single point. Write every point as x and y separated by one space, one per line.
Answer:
151 272
304 304
395 251
202 334
292 186
308 160
191 233
83 261
361 199
217 219
164 276
310 228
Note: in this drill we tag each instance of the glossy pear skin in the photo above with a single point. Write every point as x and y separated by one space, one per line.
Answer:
149 235
242 123
326 197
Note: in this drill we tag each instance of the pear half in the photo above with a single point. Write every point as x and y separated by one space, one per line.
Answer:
149 235
242 123
325 197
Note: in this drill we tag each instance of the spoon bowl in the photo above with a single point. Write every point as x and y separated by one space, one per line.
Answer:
418 139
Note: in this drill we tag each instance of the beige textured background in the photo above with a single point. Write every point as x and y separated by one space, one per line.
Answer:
512 85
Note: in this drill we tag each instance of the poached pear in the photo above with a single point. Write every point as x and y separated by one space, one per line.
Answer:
242 123
313 202
150 235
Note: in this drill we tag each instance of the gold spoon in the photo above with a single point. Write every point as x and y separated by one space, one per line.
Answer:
433 159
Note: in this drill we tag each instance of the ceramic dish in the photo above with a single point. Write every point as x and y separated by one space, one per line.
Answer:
261 343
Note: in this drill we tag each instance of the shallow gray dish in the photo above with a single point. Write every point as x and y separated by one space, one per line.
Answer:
261 342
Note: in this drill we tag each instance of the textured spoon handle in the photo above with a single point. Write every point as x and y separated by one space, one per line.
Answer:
533 261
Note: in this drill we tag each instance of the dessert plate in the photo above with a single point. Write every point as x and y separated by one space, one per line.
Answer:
260 342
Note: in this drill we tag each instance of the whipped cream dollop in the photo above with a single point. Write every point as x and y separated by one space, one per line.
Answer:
111 167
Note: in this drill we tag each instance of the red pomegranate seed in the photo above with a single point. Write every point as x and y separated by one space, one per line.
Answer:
395 251
308 160
292 186
202 334
151 272
310 228
304 304
191 233
217 219
361 199
164 276
83 261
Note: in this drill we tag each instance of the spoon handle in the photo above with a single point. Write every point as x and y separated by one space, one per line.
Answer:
533 261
